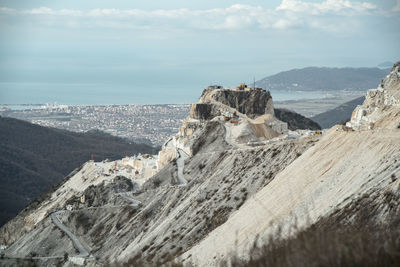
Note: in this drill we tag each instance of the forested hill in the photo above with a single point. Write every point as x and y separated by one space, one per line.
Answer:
324 79
35 158
339 114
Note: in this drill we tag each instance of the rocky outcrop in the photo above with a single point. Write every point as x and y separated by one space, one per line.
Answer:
203 111
391 86
243 114
252 102
166 155
381 107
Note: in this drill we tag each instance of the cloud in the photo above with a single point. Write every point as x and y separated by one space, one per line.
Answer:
328 6
49 11
396 8
289 14
7 11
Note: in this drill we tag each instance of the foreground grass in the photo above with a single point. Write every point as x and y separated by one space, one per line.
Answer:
321 245
330 245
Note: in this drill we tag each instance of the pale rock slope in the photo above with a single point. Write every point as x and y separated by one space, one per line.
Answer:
219 159
247 114
89 174
346 164
232 173
341 166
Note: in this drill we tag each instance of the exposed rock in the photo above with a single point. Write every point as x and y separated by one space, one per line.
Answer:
252 103
233 193
379 103
165 156
340 167
247 114
211 137
189 128
203 111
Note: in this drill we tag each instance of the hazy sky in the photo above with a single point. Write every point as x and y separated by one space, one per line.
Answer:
178 43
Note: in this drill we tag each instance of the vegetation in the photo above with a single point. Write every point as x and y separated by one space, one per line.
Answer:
358 234
323 244
295 121
324 79
338 115
331 245
352 236
35 158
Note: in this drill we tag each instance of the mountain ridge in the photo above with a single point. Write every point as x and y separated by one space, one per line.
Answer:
226 181
324 79
342 113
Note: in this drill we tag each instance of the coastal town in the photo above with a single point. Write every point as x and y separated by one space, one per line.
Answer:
138 123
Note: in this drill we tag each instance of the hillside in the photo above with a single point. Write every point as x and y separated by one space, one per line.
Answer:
296 121
324 79
337 115
35 158
232 179
347 166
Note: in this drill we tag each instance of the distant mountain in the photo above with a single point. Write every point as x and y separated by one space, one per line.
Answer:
296 121
386 65
324 79
339 114
35 158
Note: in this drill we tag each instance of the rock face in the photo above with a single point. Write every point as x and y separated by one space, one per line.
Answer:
381 107
253 103
202 111
243 116
250 102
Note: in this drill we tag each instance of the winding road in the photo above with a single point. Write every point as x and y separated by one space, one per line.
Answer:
180 162
75 241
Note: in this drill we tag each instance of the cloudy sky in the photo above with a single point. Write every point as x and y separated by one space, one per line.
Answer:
185 43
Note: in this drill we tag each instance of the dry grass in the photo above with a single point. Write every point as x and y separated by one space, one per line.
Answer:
331 244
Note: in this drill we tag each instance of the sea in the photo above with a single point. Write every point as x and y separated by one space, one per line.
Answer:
95 94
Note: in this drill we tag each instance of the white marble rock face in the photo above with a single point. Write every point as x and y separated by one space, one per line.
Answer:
378 102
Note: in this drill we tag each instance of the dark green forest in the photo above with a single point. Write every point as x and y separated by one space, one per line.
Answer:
33 159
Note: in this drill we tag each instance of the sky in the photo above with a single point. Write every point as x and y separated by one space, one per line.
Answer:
135 47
